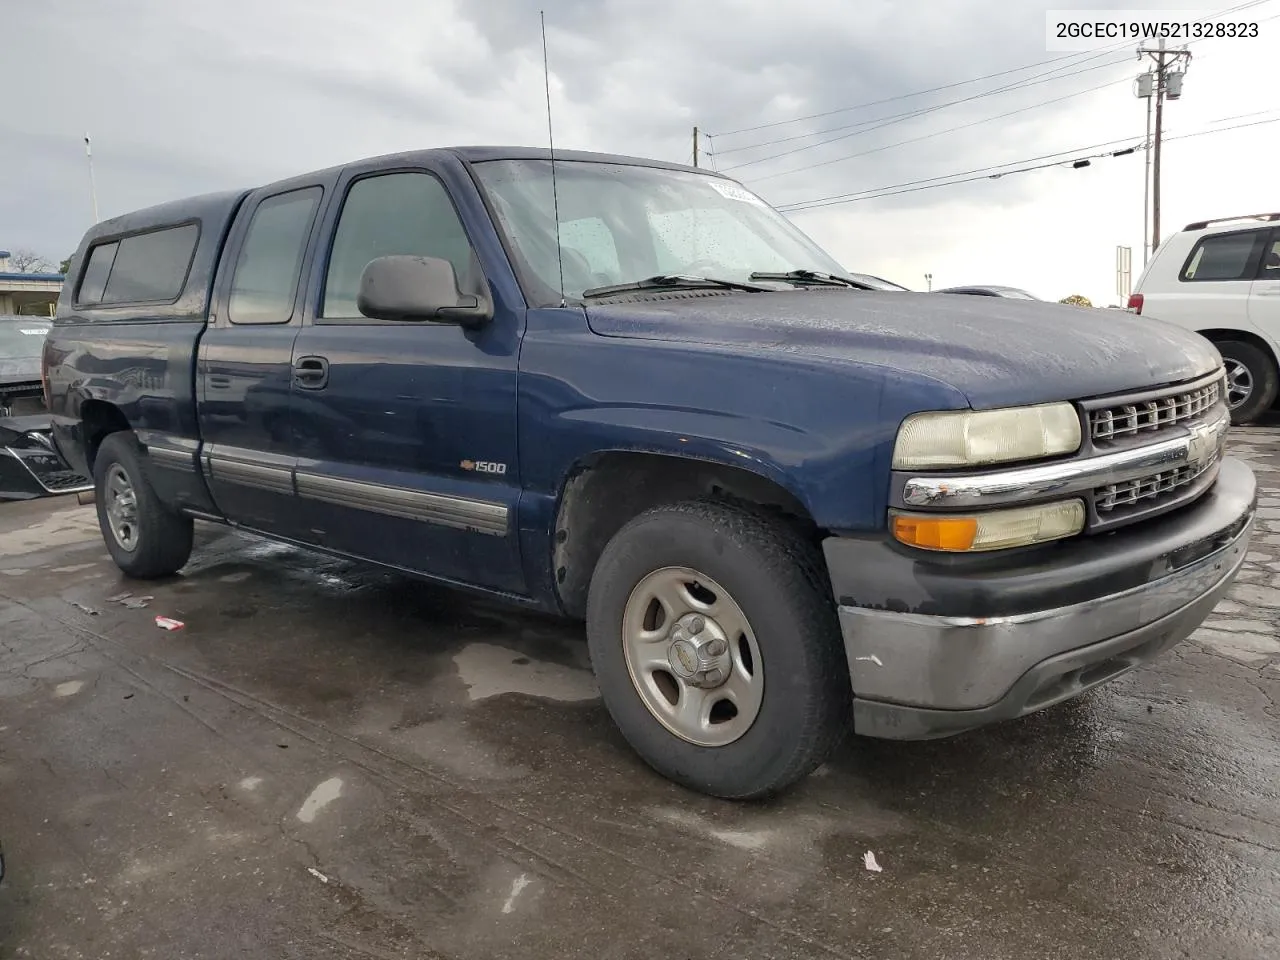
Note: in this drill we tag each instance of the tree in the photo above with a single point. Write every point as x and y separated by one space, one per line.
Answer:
24 261
65 266
1077 300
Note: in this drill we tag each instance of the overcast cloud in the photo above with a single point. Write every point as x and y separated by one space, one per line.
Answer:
183 98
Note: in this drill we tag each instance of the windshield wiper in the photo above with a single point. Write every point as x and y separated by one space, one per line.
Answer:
811 278
672 281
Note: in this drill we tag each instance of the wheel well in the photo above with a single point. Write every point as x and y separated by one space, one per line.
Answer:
605 492
99 419
1243 336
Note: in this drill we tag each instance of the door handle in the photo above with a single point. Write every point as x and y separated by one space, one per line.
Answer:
218 382
311 373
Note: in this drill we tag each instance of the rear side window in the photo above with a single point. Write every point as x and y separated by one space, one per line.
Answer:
1227 256
94 281
266 277
388 215
142 268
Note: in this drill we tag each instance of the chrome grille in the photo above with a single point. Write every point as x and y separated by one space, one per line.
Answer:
1156 487
1149 416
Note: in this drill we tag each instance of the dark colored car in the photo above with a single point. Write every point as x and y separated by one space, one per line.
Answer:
29 465
21 347
780 501
1010 293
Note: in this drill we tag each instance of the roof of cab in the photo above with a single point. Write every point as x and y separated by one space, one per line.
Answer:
221 206
480 154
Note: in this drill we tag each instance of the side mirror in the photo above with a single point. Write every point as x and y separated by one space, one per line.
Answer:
419 288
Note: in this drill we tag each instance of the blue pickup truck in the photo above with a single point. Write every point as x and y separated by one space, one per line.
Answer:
784 503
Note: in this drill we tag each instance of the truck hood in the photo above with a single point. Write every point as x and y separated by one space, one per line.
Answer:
996 352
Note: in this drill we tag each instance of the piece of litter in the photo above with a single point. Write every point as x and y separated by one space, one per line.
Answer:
873 659
80 606
869 861
136 603
317 874
119 598
168 623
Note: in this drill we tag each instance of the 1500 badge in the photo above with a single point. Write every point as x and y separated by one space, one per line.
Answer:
484 466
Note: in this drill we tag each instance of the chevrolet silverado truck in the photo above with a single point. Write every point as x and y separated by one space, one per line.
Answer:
633 394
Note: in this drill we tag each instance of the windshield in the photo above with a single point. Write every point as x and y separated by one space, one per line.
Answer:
21 338
621 223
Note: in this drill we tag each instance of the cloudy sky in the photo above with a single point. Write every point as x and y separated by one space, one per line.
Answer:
183 98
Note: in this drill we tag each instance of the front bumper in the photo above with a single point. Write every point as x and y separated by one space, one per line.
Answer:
937 646
30 466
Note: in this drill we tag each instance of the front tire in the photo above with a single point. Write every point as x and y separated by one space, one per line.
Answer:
1252 380
145 538
717 649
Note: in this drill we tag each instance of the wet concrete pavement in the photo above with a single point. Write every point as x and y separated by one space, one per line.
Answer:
329 762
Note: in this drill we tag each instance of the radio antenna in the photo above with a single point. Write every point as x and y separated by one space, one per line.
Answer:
551 142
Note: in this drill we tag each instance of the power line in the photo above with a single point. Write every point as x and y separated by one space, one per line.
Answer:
1033 81
857 194
899 117
961 83
814 205
924 185
1024 82
894 99
938 133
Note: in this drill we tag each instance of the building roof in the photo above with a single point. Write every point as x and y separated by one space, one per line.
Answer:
29 277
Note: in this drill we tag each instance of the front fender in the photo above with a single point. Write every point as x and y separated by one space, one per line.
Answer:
821 429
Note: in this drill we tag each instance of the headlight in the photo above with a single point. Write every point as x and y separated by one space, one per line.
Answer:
993 530
965 438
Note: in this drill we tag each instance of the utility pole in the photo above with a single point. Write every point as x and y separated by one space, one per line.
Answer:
1168 84
1146 90
695 146
93 189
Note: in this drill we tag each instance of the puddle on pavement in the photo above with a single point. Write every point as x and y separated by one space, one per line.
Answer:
489 670
320 797
60 529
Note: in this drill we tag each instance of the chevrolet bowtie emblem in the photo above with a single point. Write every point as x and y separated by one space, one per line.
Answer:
1204 441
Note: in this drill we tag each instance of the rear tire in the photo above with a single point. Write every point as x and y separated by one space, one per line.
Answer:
146 539
750 584
1252 380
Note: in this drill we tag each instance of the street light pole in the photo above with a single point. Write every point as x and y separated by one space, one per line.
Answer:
928 279
93 188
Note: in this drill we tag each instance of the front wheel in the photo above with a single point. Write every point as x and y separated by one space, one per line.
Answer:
1252 380
144 537
717 649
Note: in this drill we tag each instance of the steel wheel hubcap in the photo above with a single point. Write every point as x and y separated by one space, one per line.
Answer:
122 508
1239 384
692 656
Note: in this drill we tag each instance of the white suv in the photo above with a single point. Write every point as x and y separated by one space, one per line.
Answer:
1221 278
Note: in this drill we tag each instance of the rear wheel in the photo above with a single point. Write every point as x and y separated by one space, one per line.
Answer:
1252 380
717 649
145 539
